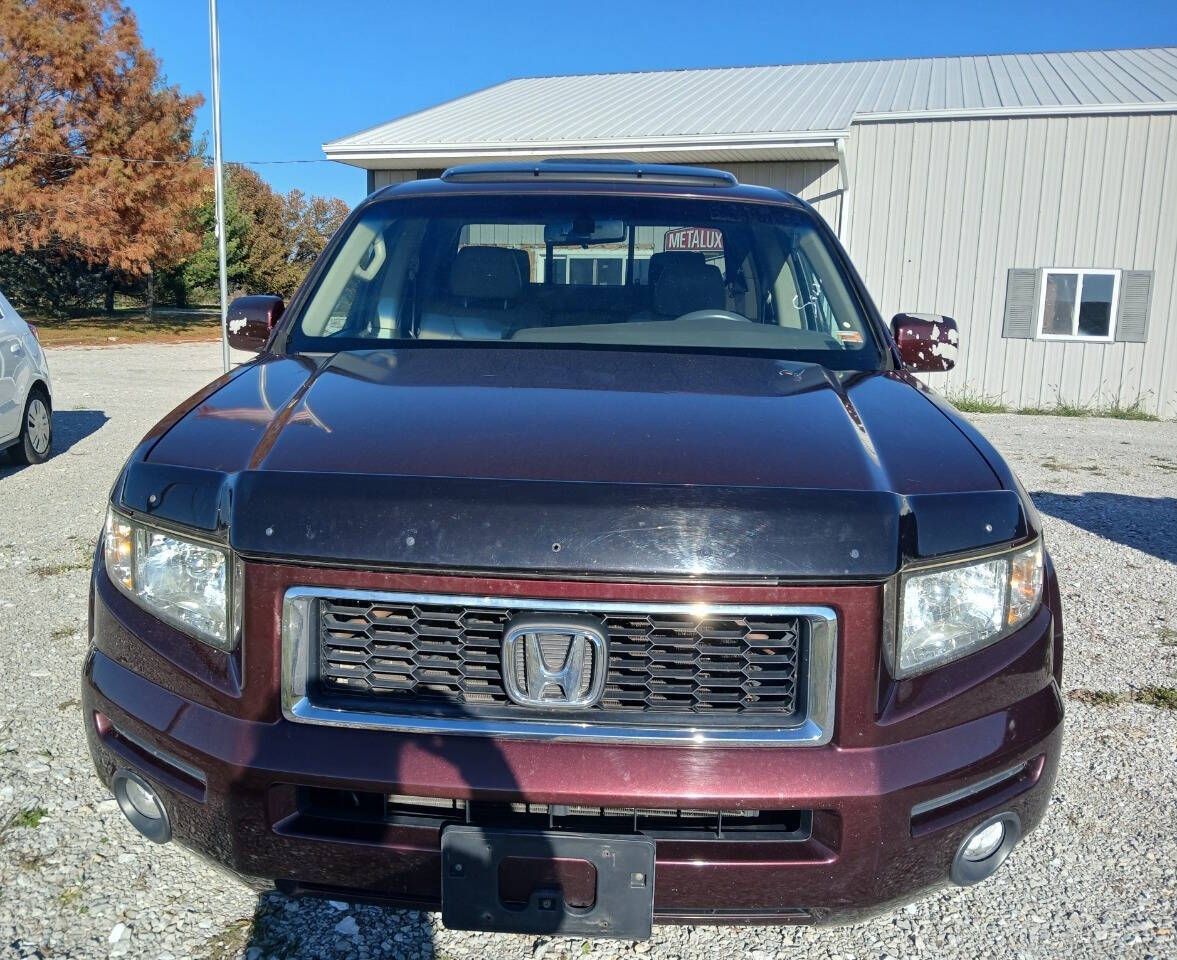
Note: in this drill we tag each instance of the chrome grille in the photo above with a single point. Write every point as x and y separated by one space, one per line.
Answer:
716 666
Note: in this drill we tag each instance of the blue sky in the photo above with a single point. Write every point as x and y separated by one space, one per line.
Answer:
296 73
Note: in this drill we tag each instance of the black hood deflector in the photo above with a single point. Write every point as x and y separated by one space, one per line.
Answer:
572 529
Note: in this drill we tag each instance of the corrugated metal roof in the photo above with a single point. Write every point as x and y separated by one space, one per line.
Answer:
741 107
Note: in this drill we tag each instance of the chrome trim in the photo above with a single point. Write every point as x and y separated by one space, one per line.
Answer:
817 729
947 799
585 640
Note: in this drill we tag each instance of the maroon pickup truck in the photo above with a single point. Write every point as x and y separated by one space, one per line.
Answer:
579 552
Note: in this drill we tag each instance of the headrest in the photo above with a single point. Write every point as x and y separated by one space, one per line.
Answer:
485 273
523 261
658 262
684 286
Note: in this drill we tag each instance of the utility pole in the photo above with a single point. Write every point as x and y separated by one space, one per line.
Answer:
214 33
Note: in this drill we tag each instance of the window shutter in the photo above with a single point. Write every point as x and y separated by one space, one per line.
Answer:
1135 295
1021 304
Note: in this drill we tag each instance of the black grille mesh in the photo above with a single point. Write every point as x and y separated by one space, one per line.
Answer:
431 655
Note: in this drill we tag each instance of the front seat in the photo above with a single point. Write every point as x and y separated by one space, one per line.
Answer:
658 262
484 299
523 259
684 285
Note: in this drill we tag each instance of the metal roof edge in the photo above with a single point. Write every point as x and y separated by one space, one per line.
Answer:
1044 110
369 151
414 113
837 62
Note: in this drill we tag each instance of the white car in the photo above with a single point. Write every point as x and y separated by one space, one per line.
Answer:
26 399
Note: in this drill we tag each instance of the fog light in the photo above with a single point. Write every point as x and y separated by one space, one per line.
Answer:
985 849
984 842
142 806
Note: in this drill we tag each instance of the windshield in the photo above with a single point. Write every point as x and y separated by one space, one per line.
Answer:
635 272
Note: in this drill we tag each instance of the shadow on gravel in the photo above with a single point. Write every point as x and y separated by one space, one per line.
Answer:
69 427
73 426
306 928
1148 524
358 850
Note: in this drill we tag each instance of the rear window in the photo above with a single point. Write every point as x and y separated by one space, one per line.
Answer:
556 270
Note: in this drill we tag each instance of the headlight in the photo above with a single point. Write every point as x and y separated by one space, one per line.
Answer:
188 584
949 612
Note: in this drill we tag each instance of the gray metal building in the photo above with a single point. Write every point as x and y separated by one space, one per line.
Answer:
1033 197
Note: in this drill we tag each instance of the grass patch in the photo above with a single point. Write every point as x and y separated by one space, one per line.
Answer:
1050 463
1134 411
30 818
69 897
84 561
62 633
55 569
1168 636
230 942
1163 697
977 403
1059 410
266 930
982 403
127 325
1094 698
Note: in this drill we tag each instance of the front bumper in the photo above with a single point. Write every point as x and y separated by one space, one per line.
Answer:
232 782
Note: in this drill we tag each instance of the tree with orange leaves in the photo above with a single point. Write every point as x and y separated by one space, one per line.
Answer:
97 160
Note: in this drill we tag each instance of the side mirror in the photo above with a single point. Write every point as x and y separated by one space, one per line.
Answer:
251 319
927 342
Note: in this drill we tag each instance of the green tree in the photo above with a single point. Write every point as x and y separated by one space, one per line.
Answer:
200 271
287 232
50 280
315 220
269 238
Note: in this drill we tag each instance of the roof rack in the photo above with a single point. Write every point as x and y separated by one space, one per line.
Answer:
589 170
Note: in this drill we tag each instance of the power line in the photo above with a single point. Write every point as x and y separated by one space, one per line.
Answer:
100 156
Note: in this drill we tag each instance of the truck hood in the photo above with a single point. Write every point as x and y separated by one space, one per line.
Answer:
627 462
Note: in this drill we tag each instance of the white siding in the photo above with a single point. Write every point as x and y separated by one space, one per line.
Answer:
385 178
815 181
942 209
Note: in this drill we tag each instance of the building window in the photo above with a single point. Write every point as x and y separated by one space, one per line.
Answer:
585 271
580 271
609 271
1078 305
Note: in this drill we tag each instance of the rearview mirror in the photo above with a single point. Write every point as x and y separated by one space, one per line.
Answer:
927 342
251 319
584 231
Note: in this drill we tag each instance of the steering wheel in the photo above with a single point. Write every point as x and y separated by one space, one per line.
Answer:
711 313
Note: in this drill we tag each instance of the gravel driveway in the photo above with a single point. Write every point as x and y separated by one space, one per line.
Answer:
1098 879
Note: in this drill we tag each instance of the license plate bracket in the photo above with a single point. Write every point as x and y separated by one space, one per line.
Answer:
471 858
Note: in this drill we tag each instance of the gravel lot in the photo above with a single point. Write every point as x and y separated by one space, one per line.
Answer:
1098 879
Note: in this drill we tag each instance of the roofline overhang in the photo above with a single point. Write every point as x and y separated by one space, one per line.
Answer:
997 113
825 141
443 154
